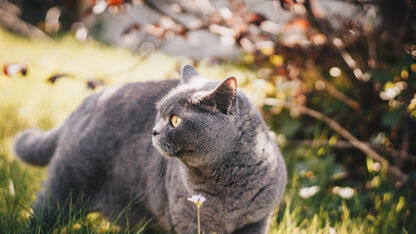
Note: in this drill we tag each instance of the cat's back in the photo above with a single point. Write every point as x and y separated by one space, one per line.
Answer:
105 120
120 105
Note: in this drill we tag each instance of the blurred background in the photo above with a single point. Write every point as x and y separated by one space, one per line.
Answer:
335 81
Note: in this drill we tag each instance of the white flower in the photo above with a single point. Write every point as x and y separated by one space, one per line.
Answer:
344 192
307 192
197 199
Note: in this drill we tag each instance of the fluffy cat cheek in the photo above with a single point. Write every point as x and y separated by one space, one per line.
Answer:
163 147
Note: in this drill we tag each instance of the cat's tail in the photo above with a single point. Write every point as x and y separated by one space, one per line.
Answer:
35 146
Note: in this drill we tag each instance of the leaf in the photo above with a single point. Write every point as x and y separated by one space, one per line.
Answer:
15 68
52 79
115 2
93 84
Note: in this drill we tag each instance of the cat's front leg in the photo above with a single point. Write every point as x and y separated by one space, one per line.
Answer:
260 227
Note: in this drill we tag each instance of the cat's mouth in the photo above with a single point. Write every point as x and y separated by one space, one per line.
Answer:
169 149
183 152
164 147
176 154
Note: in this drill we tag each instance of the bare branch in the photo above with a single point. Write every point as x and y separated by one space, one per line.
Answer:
333 91
341 144
20 27
335 43
198 23
318 143
364 147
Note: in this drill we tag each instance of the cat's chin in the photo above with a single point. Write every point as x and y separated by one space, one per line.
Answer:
177 154
166 154
163 149
163 152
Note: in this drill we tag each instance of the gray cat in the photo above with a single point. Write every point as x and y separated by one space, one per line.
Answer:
140 150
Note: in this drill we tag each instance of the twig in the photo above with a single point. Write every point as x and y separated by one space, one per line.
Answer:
13 23
162 11
10 8
334 91
341 144
340 96
364 147
166 11
335 43
317 143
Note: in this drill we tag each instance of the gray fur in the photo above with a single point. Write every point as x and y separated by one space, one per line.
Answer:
188 73
36 147
104 160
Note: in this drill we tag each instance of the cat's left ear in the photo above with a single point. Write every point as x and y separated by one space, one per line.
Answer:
223 97
188 73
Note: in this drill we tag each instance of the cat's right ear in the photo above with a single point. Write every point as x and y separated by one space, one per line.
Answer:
188 74
223 98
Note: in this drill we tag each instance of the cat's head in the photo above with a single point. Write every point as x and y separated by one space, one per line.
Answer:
196 120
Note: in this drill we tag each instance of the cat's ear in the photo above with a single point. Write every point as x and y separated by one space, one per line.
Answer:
188 73
223 97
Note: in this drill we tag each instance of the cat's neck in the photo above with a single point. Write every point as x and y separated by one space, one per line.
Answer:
237 168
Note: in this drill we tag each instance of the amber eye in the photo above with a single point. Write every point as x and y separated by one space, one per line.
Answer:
175 120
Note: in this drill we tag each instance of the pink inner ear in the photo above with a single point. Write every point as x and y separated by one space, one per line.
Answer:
231 82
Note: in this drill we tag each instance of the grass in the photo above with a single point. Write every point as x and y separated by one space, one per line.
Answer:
376 206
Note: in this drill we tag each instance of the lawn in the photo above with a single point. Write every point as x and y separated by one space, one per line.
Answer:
321 196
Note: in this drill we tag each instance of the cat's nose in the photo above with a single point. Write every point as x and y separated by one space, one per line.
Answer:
157 129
